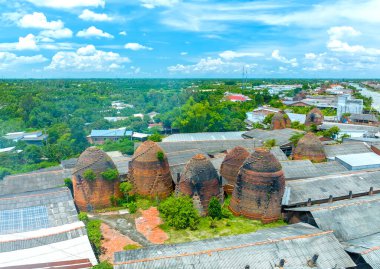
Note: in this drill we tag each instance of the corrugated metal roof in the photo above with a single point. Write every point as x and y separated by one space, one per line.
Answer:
35 210
330 168
349 219
368 248
203 136
296 244
299 169
320 188
281 136
111 133
348 127
33 181
364 117
121 161
346 148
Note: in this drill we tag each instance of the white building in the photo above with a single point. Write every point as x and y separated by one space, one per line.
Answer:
348 105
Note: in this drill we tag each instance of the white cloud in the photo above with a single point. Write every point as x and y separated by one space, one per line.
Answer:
276 55
230 55
39 20
88 15
88 59
136 46
210 66
56 34
8 59
123 33
27 43
68 3
335 43
183 53
310 56
93 32
158 3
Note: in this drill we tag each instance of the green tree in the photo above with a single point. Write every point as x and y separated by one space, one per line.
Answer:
215 209
89 174
156 137
179 212
268 119
32 154
332 132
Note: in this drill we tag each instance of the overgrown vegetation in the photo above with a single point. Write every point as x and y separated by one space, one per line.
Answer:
210 228
89 175
110 174
179 212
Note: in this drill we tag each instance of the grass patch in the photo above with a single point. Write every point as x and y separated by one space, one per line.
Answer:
131 247
223 227
230 225
145 203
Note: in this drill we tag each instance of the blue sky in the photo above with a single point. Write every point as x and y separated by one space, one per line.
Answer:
194 38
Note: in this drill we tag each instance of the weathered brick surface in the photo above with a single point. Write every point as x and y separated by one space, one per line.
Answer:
315 116
309 147
259 188
151 176
280 120
90 195
231 166
200 181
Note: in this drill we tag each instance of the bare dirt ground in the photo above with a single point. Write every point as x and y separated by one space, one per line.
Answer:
148 225
113 241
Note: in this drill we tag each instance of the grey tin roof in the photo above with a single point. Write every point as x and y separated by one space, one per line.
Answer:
348 127
364 117
368 248
298 192
299 169
281 136
349 219
33 181
330 168
296 244
209 147
36 210
121 161
346 148
203 136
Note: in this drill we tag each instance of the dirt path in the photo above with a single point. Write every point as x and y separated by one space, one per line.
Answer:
113 241
148 225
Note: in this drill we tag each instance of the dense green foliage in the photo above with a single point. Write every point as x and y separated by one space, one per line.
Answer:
215 209
156 137
94 235
179 212
295 138
160 155
110 174
89 174
125 146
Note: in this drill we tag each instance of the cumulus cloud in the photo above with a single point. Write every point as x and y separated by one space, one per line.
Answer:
87 58
56 34
68 3
93 32
123 33
88 15
183 53
27 43
335 43
276 55
158 3
8 59
39 20
136 46
230 55
209 65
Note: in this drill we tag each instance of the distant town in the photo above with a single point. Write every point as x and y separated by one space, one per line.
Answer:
190 173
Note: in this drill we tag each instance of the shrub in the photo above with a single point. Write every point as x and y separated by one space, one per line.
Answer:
160 155
89 174
126 189
179 212
132 206
155 137
94 235
215 209
83 217
69 185
110 174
